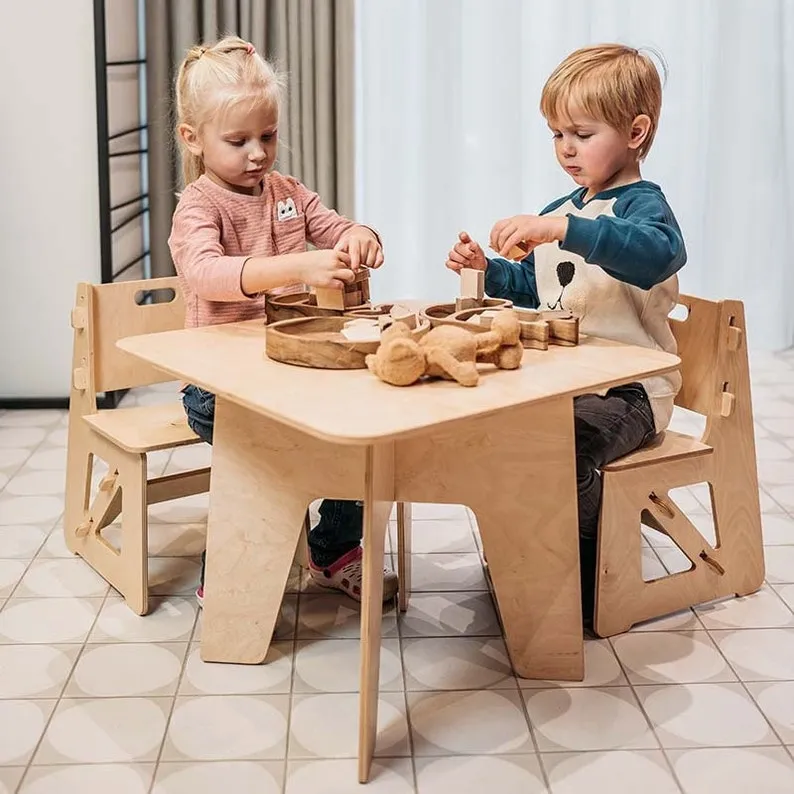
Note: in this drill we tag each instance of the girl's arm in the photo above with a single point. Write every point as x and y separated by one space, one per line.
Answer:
200 258
324 227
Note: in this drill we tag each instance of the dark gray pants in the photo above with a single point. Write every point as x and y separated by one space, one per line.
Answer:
606 428
341 522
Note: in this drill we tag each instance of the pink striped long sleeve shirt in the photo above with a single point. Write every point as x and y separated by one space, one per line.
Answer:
215 230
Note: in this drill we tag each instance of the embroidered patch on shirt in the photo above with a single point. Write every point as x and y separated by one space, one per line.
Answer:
286 210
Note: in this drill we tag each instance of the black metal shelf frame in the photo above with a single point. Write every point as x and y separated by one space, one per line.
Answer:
109 223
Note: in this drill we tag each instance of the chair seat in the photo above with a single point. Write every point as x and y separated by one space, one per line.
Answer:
666 446
144 428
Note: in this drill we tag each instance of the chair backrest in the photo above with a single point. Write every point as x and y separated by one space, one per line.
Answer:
105 313
712 345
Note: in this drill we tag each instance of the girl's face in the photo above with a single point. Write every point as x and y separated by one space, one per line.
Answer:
238 146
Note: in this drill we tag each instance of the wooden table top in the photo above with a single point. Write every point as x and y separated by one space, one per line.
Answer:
353 406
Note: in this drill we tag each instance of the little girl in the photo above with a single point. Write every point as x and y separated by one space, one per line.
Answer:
240 230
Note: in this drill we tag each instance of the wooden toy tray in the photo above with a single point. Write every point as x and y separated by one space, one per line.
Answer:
318 342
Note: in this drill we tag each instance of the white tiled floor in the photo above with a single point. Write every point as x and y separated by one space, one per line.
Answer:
94 698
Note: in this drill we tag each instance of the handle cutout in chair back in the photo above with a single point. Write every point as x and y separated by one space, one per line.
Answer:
149 296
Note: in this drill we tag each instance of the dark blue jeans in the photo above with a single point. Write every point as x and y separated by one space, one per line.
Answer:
606 428
340 527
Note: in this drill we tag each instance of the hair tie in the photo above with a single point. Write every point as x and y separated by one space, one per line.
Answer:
250 49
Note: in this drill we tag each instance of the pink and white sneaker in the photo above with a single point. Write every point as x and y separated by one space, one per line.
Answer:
347 573
200 596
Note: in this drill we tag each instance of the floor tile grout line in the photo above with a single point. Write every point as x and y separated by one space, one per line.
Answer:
399 634
769 496
30 562
648 719
521 697
33 451
167 726
408 721
293 673
744 683
59 699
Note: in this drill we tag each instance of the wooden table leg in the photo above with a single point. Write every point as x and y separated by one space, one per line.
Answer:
264 475
404 553
378 503
517 470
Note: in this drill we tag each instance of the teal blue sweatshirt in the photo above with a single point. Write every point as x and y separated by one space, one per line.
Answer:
640 244
615 270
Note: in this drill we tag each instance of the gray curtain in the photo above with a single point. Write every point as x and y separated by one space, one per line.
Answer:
311 40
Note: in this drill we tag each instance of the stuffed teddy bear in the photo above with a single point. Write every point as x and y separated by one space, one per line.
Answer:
447 351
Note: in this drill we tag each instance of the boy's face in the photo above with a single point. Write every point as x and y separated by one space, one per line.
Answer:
591 151
239 146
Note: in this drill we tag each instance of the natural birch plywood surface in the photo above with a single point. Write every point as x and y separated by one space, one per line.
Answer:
356 407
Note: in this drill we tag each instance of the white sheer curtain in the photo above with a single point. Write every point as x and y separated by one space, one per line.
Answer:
449 135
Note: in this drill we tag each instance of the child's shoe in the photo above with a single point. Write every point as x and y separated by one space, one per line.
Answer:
200 596
346 574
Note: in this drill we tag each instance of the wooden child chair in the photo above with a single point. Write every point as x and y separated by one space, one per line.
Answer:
712 345
122 437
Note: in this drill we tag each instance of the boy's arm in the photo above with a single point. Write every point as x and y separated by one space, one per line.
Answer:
642 245
514 281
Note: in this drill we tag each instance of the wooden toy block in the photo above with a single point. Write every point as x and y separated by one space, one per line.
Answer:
527 315
472 283
483 318
353 298
328 298
466 303
354 294
563 327
535 335
398 314
564 331
518 252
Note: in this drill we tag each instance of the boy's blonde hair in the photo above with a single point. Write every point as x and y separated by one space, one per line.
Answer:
212 78
609 82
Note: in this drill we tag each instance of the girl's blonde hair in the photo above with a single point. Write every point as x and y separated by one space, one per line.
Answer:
212 78
609 82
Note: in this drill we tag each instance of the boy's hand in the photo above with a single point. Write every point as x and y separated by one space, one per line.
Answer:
363 247
528 230
466 253
326 268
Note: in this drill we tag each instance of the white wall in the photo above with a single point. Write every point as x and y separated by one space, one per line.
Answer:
449 135
49 227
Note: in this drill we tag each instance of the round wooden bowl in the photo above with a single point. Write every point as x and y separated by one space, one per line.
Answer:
373 312
446 313
318 342
301 304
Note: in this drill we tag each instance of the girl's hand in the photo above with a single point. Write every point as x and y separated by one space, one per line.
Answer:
326 268
528 230
466 253
363 247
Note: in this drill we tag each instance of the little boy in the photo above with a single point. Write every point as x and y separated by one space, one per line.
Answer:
608 252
